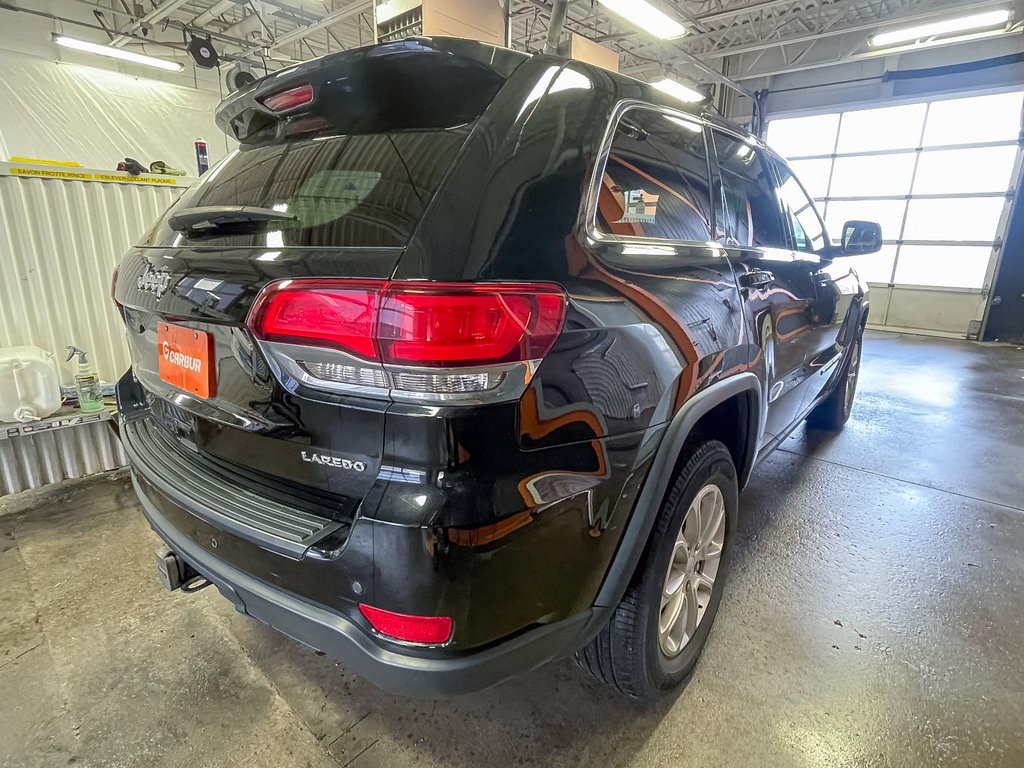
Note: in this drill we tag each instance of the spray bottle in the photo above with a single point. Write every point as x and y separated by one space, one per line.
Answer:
86 382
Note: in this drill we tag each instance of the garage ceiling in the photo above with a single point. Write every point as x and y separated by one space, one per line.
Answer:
742 38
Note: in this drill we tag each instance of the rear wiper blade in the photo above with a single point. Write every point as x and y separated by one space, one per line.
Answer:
211 217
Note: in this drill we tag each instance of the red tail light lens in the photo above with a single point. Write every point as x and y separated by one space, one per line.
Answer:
282 101
340 314
441 325
427 630
410 323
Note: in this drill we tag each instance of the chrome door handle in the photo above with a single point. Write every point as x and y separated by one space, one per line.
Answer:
756 278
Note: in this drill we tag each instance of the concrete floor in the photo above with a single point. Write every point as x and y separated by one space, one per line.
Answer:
874 618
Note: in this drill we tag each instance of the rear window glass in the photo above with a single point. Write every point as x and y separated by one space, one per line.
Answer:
366 190
656 182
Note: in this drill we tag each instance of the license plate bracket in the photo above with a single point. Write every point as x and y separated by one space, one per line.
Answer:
186 359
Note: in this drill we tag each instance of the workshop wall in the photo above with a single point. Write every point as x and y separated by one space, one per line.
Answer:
97 117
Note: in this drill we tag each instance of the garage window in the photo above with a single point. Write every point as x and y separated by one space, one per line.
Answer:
935 175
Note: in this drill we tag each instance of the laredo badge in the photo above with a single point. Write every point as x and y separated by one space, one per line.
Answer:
639 206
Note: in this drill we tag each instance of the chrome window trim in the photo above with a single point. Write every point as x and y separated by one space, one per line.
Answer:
590 231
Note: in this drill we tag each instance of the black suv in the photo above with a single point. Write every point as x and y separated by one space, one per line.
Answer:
458 364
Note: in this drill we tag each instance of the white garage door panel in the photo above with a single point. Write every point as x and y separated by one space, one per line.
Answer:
945 266
964 219
813 135
875 267
959 171
868 130
937 176
873 175
931 310
994 117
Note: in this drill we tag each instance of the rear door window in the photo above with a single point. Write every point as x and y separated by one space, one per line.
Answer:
747 209
656 180
366 190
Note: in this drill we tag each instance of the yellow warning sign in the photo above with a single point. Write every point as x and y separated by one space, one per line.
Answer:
53 173
135 179
50 174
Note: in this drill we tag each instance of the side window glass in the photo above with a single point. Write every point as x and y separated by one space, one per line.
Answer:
805 224
656 181
746 210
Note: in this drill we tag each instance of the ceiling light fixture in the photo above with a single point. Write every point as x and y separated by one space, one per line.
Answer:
959 24
117 53
642 14
677 90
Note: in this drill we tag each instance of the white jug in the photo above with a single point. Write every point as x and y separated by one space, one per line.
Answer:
29 384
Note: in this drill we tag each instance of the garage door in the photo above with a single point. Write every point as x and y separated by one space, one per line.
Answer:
938 177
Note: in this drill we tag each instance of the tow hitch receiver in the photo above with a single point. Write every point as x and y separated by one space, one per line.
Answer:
174 572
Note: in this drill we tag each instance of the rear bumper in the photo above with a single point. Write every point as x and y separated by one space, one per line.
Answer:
336 635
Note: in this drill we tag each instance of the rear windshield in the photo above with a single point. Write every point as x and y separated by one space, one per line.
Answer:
367 190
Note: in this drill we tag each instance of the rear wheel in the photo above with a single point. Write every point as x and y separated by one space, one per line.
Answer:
834 411
657 631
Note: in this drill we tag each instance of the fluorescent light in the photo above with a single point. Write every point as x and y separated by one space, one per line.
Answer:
687 124
116 53
677 90
944 27
642 14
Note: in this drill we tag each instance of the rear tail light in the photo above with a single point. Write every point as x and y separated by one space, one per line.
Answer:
416 338
446 325
289 99
423 630
335 314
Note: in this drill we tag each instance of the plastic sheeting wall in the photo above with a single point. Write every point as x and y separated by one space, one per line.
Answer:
35 460
95 117
59 244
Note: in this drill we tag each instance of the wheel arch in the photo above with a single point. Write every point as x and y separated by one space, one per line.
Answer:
742 388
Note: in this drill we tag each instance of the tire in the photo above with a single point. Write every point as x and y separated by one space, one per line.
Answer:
834 411
629 654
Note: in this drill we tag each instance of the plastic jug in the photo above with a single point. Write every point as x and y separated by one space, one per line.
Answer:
29 384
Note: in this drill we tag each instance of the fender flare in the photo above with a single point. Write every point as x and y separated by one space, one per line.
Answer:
641 521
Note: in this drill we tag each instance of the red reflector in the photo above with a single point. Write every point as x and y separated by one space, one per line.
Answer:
442 325
282 101
429 630
328 313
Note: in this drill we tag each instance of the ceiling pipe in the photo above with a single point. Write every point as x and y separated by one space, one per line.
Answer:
556 25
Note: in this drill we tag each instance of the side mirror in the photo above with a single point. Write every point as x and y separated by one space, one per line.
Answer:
861 238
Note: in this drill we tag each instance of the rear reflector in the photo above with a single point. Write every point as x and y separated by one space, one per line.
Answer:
435 325
282 101
426 630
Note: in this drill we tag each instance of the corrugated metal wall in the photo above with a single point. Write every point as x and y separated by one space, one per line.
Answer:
59 243
31 461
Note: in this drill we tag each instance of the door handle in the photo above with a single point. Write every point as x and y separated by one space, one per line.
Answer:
755 278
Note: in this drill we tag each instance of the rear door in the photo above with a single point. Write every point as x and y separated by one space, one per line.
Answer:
653 222
777 285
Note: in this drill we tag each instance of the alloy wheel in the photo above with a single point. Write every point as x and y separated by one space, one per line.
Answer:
851 378
696 557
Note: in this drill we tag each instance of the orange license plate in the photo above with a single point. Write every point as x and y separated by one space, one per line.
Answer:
186 359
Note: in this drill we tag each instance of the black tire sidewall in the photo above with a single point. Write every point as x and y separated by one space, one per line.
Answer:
717 467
